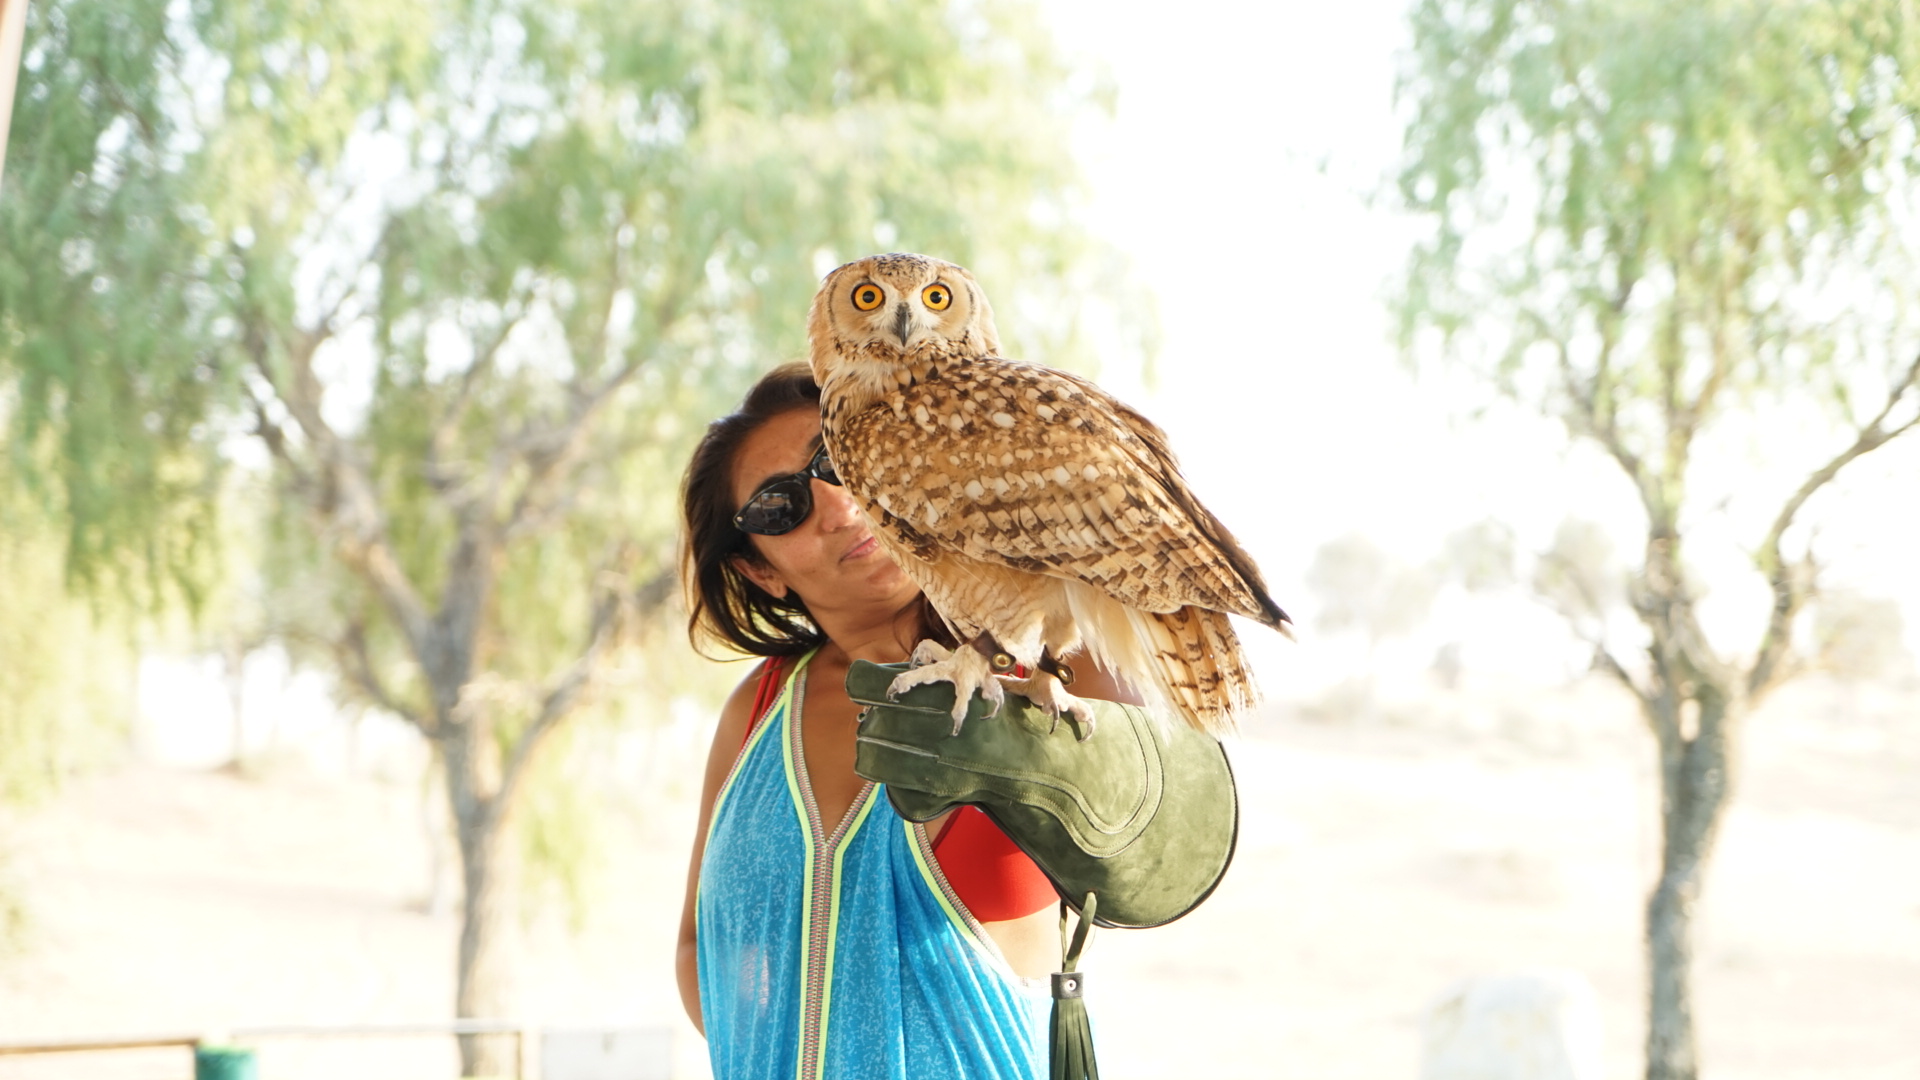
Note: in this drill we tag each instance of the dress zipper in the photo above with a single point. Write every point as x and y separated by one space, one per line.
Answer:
822 892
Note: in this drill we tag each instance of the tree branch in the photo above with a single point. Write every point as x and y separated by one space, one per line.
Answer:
1591 418
1694 413
347 497
323 327
613 610
1605 661
616 282
439 474
1792 582
277 443
356 661
550 454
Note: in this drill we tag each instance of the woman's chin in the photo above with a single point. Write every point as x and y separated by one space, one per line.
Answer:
888 585
894 584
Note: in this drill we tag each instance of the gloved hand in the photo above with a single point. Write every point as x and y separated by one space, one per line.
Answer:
1144 813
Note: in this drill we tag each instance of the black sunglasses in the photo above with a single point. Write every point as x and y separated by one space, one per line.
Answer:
781 506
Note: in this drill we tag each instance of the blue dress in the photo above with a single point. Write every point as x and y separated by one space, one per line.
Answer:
844 954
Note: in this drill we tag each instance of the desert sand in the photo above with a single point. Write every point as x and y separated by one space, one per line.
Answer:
1493 829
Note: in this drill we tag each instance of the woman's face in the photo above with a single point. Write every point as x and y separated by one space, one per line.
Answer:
832 560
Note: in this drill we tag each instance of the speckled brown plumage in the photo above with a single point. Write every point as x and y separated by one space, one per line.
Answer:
1025 501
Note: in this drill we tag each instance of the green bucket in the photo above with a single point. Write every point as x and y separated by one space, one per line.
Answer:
224 1063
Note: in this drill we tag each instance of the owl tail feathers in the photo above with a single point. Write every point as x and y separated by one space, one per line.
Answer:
1186 663
1199 669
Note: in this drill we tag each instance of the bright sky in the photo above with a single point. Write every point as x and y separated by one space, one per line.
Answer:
1235 173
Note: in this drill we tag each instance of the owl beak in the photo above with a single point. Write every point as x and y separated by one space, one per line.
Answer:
902 323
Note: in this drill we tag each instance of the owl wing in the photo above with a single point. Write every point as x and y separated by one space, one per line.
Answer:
1031 468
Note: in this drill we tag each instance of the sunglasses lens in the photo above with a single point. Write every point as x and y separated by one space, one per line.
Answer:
778 508
823 468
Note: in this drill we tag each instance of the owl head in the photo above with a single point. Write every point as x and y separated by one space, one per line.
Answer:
877 319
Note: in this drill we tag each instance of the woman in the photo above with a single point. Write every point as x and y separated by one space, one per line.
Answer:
822 936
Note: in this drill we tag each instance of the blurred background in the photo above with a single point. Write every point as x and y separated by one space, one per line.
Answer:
1552 360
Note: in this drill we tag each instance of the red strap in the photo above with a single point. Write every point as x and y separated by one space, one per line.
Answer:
771 680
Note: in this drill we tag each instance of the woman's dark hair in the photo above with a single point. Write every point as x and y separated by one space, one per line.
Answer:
723 606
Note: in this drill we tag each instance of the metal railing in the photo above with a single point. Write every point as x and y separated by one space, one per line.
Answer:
527 1041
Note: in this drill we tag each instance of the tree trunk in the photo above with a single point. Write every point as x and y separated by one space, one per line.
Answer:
1694 790
13 28
1670 1045
490 909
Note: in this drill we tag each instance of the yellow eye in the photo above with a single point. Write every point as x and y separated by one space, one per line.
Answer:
936 296
867 296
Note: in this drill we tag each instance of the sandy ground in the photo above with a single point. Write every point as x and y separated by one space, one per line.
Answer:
1465 834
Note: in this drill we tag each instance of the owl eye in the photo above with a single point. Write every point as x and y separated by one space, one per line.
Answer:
867 296
936 296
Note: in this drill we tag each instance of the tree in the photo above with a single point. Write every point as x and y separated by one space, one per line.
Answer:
1646 218
466 275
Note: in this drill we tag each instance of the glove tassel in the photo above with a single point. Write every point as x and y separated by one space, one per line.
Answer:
1069 1031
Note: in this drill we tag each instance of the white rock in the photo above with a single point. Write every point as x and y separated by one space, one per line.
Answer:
1533 1025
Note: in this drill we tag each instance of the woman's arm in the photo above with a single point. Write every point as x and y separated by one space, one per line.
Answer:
1099 683
735 718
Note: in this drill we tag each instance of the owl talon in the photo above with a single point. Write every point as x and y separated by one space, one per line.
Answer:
1046 692
928 652
966 669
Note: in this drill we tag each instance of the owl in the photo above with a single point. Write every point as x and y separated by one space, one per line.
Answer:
1038 513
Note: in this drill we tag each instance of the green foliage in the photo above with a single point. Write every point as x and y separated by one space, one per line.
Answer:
588 180
67 675
98 305
253 249
1656 208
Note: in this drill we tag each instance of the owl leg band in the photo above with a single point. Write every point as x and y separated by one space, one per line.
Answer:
1046 691
1003 662
1054 698
999 659
1055 668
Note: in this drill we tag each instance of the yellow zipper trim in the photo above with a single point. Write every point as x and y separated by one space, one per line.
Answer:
943 891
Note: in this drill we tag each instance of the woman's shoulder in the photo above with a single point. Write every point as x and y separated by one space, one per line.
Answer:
749 701
738 713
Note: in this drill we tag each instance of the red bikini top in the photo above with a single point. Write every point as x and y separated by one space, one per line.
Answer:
992 876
